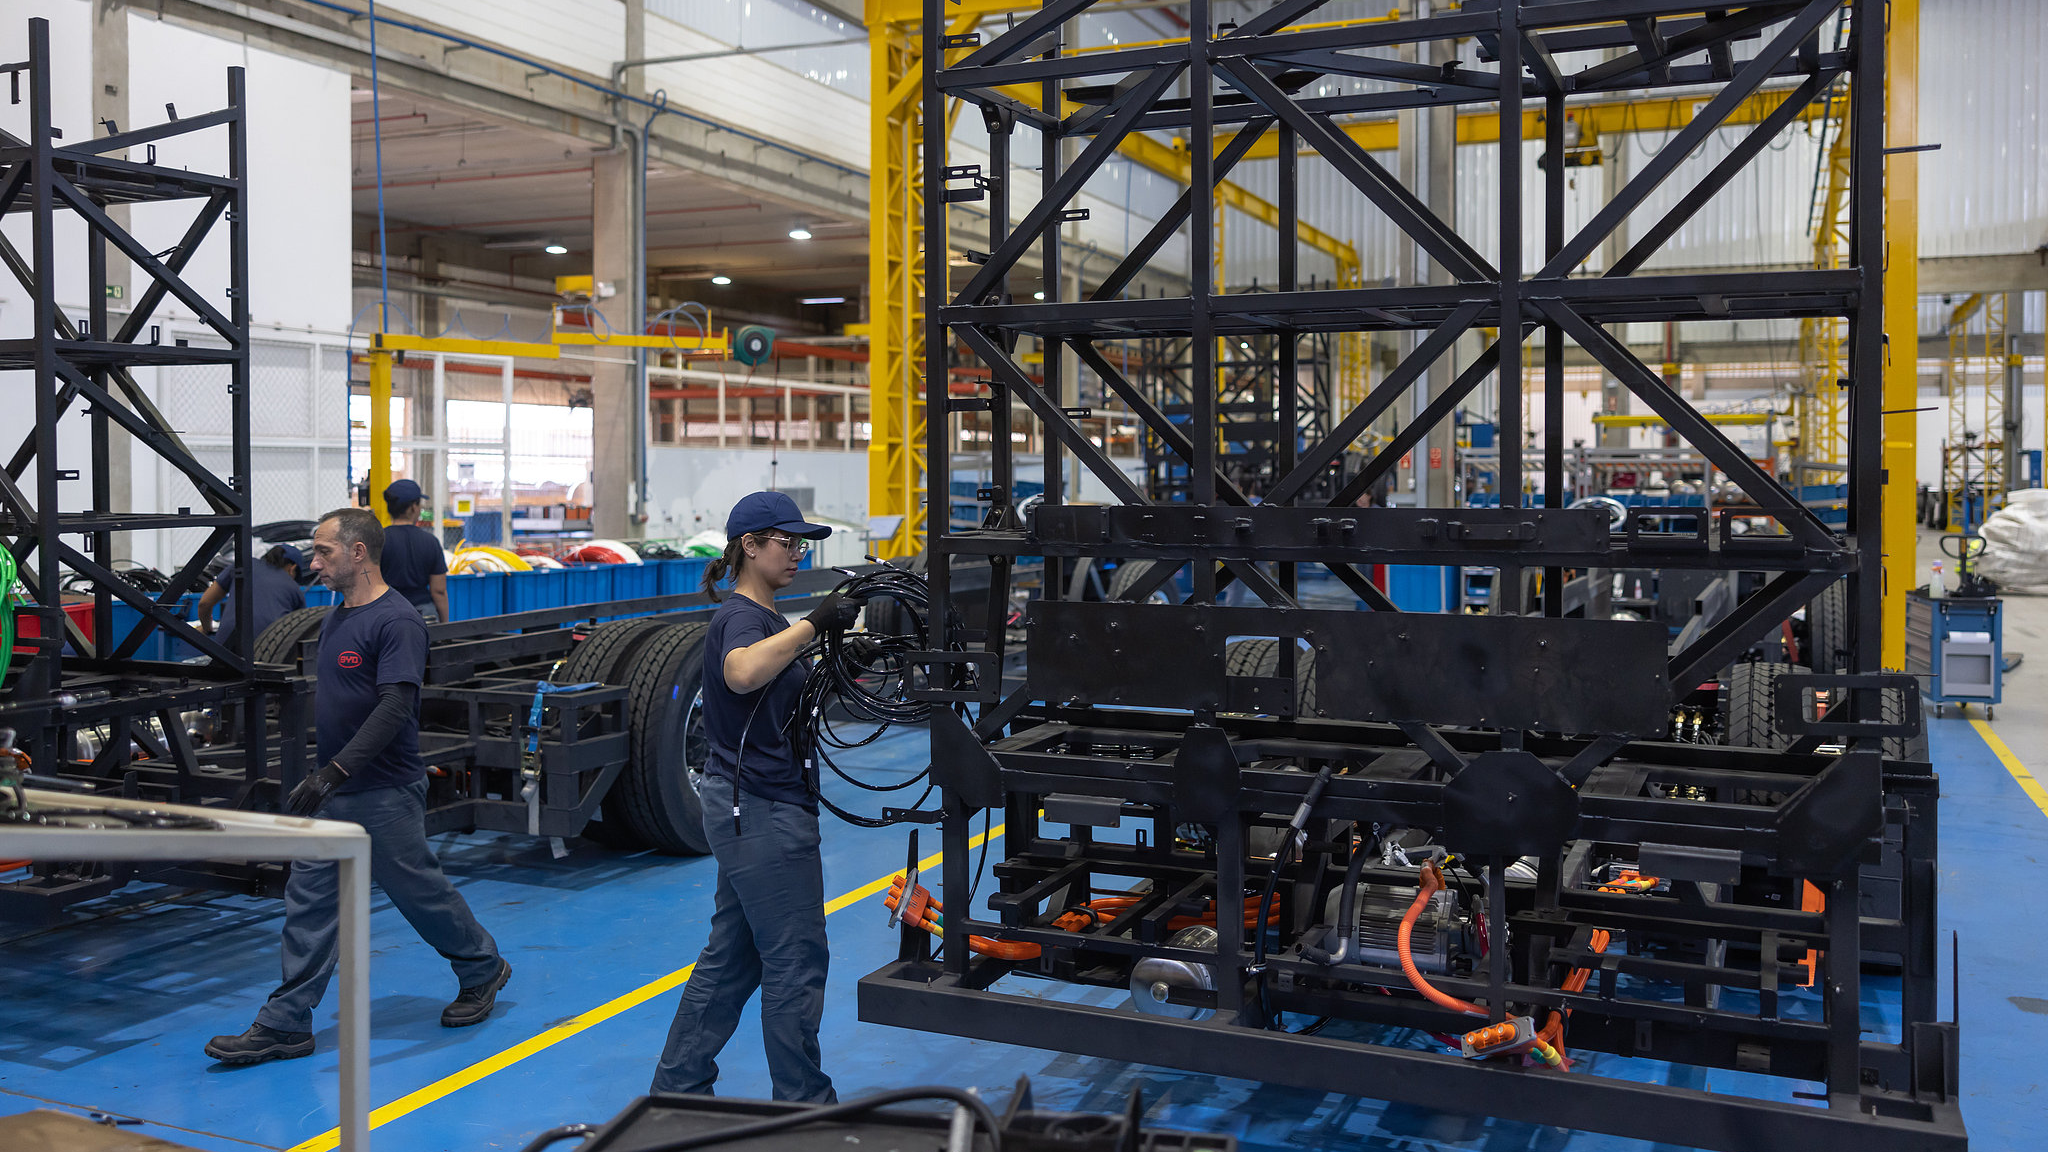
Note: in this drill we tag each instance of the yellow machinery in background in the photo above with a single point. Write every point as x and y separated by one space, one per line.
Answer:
1820 405
1973 456
896 242
386 348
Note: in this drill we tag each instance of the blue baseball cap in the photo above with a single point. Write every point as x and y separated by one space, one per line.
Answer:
292 553
403 492
762 511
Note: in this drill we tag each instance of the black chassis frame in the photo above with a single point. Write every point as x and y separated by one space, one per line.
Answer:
1127 707
50 696
479 695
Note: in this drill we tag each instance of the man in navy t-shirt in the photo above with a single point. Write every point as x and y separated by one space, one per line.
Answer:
275 577
413 562
372 661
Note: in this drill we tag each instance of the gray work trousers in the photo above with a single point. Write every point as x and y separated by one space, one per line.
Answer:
404 866
767 932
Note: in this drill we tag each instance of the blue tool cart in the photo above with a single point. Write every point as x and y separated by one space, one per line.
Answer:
1957 643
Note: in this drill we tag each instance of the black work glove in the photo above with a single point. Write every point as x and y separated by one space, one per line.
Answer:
314 790
836 614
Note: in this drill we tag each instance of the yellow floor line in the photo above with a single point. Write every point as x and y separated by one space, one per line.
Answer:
455 1082
2026 779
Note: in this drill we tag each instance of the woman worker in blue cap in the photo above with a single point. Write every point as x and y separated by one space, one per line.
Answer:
768 923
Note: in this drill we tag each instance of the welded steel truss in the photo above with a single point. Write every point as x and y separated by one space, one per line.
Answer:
89 365
1523 734
79 700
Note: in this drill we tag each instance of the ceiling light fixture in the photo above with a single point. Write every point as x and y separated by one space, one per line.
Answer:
721 281
556 250
822 300
799 233
1038 295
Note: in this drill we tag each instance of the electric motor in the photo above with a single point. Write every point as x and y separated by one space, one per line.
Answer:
1444 940
1154 979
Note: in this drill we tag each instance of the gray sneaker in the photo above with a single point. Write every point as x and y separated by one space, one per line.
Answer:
259 1044
475 1003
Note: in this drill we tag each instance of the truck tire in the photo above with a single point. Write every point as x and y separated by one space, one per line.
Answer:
1749 705
279 643
1260 656
1827 630
1904 747
606 656
1130 573
655 799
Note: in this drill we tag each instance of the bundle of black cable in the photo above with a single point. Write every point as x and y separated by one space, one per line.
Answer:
867 678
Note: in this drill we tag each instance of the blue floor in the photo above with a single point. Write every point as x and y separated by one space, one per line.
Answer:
108 1014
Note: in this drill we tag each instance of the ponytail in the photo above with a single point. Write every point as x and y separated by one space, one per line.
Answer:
717 570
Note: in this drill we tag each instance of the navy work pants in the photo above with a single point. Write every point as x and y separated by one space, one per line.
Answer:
403 864
767 932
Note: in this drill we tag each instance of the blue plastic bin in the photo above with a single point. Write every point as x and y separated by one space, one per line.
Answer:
476 594
588 583
532 591
634 581
1420 587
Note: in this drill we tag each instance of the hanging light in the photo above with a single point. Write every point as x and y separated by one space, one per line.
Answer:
556 250
721 280
799 233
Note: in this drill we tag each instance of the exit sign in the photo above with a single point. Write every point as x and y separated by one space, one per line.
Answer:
116 292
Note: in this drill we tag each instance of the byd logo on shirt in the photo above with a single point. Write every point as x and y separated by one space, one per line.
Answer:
349 660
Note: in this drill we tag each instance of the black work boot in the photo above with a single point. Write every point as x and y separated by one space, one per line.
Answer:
475 1003
259 1044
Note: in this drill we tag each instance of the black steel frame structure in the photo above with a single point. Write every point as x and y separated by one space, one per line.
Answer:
1519 734
98 687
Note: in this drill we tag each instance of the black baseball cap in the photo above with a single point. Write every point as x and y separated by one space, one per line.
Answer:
762 511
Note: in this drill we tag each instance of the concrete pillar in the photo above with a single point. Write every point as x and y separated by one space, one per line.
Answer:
618 400
613 388
110 102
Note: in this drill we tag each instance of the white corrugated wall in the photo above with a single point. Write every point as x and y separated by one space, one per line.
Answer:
587 35
758 95
1982 98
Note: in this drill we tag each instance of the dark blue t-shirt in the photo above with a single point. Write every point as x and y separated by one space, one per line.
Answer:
411 557
767 766
276 593
382 642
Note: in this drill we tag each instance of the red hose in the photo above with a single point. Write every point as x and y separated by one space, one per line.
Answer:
1432 880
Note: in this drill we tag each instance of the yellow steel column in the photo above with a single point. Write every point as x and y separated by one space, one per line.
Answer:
380 431
896 285
1901 317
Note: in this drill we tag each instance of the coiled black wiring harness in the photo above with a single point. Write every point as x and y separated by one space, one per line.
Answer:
866 679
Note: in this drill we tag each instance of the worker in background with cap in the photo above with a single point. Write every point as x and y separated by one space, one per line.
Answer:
274 580
414 564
